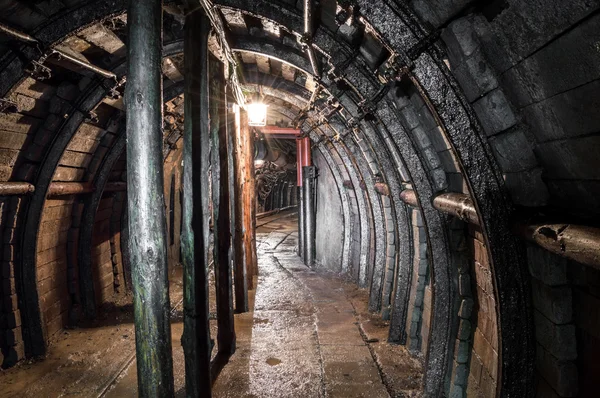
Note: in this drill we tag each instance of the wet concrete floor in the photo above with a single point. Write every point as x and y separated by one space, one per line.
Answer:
308 334
311 334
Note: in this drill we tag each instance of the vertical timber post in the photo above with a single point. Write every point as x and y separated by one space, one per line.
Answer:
251 192
221 218
248 224
146 202
196 334
240 268
309 176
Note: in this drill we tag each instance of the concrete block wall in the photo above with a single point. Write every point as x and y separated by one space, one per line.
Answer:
418 120
419 306
530 71
555 329
510 139
330 227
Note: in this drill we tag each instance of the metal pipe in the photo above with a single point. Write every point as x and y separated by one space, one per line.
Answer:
15 188
576 242
310 173
457 204
70 188
299 148
274 130
16 34
55 189
30 39
306 152
382 188
409 197
83 64
308 32
146 204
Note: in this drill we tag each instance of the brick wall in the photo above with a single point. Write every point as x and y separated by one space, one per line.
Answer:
52 262
419 306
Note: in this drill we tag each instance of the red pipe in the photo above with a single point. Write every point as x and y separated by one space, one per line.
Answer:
274 130
306 154
299 145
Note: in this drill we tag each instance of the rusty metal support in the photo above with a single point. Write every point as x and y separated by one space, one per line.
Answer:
146 209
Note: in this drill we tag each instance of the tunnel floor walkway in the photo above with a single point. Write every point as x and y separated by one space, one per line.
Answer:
310 334
307 334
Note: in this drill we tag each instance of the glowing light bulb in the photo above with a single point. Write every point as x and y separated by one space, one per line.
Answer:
257 114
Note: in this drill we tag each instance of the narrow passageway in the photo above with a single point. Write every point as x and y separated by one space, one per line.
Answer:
310 335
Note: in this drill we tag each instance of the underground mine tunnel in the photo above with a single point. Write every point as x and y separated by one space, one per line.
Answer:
281 198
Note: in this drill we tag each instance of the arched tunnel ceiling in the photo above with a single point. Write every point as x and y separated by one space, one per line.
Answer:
356 88
368 67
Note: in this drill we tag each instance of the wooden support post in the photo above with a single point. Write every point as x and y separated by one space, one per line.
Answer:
246 159
240 279
221 218
147 218
194 239
251 192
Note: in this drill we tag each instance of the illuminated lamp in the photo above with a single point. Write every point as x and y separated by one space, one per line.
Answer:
257 114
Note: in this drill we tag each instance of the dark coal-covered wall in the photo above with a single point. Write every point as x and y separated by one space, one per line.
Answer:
330 219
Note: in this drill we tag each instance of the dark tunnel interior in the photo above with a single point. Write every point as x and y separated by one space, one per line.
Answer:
300 198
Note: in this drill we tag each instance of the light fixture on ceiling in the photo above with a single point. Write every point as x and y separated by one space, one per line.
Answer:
257 114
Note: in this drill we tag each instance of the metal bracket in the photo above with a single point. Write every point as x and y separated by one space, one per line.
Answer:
38 71
8 106
423 45
395 68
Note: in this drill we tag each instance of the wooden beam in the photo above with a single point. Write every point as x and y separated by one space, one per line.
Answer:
194 240
240 268
221 217
147 218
